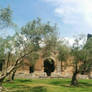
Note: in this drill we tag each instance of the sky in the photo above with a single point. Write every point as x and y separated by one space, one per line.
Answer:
73 17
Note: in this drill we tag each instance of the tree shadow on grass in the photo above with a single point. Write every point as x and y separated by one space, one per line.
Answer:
68 84
19 81
26 80
38 89
59 83
85 84
32 89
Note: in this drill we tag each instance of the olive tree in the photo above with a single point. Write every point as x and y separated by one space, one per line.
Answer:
63 53
81 52
5 21
28 42
22 44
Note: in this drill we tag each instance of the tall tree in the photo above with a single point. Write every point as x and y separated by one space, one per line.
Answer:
63 53
5 21
82 58
24 44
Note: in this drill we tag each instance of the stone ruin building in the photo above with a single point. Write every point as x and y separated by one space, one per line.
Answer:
46 67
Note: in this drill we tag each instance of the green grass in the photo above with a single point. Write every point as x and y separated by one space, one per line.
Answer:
48 85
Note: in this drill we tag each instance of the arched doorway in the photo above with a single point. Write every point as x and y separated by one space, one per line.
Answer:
1 66
49 66
2 61
31 69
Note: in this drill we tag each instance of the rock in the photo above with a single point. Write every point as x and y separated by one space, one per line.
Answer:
82 76
56 75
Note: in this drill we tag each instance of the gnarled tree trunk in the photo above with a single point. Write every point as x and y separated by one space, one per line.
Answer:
1 85
74 81
1 81
12 76
10 69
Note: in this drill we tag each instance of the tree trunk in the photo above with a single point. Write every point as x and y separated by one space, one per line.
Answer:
12 76
89 74
74 81
1 81
10 69
1 86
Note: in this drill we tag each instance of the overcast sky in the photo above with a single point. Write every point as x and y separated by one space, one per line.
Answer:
72 16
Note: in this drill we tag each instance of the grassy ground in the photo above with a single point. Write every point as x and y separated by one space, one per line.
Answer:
48 85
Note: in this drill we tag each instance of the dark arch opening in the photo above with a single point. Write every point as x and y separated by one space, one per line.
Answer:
49 66
31 69
1 66
2 61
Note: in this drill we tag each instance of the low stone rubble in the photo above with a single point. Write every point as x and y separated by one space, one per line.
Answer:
44 75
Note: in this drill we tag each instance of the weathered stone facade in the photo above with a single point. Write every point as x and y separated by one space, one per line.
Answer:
59 70
64 70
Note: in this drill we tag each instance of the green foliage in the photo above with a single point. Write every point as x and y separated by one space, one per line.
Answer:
32 58
88 45
38 34
2 48
5 48
5 21
63 53
87 56
50 45
5 17
36 31
82 54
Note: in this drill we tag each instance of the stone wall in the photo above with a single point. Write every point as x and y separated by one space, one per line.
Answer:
39 69
62 70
